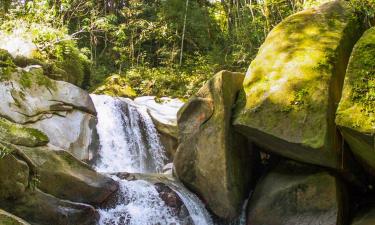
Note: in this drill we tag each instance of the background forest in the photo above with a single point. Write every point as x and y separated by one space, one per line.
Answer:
156 47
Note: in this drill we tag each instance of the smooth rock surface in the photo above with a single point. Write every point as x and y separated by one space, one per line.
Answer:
39 208
163 113
293 86
297 194
212 159
65 177
53 107
356 112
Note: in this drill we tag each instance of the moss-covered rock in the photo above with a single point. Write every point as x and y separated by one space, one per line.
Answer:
212 158
43 209
20 135
58 169
14 177
53 107
356 112
9 219
292 87
116 86
296 194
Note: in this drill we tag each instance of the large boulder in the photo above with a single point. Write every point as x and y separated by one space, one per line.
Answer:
9 219
356 112
58 169
28 97
39 208
14 177
296 194
292 87
212 159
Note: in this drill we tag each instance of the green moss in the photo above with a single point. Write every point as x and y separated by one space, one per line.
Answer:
36 76
7 66
357 106
116 85
20 135
293 85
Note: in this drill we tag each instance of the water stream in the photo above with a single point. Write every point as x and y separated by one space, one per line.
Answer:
129 142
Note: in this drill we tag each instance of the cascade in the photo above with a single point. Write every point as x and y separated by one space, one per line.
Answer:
130 143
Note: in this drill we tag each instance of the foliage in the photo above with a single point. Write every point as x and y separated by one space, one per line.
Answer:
167 39
6 65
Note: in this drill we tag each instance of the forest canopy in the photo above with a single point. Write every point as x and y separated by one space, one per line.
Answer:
159 47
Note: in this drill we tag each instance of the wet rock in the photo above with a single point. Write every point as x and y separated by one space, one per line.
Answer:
163 112
58 169
39 208
212 159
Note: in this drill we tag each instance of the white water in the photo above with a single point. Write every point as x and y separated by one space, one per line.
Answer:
129 142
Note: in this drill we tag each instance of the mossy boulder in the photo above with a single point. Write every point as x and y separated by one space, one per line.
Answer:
58 169
53 107
40 208
21 135
356 112
116 86
9 219
14 177
294 194
293 86
212 159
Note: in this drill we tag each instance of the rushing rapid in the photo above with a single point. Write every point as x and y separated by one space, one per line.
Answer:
129 142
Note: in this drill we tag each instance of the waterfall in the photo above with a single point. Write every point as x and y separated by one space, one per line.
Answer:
128 139
129 142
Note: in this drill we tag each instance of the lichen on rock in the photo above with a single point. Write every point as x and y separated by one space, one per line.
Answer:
356 112
292 87
21 135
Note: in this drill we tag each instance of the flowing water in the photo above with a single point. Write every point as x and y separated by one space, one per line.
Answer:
129 142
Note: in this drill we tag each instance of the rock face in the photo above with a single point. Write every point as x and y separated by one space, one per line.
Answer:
54 107
39 208
292 88
14 176
356 112
366 217
53 172
30 171
164 115
58 168
9 219
212 159
163 112
296 194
